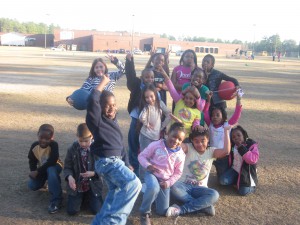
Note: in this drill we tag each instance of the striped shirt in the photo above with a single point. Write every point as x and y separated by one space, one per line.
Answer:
90 83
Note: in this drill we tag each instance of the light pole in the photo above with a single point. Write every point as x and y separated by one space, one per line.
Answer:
46 33
132 32
253 38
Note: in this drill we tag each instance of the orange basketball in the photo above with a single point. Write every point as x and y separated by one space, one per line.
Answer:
226 90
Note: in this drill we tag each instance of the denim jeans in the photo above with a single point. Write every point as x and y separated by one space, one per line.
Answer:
153 193
54 183
195 198
133 143
221 165
144 142
74 202
123 189
230 177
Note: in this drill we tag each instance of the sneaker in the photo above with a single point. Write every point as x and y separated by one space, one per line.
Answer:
173 210
53 208
209 211
145 219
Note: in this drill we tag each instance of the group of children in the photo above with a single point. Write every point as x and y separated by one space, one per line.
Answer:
171 152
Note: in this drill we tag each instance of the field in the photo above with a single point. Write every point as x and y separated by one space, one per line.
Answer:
35 82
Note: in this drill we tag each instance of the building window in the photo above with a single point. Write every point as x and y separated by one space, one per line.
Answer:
206 50
201 49
197 49
211 50
216 51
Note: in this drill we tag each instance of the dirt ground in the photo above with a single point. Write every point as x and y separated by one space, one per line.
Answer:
35 82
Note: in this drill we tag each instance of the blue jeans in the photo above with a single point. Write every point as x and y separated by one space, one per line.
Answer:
230 177
144 142
195 198
123 189
133 143
54 183
74 202
221 165
153 193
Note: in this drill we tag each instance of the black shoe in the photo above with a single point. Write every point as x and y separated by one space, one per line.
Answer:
145 219
54 207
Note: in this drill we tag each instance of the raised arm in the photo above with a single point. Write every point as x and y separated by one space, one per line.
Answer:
130 72
120 65
220 153
237 112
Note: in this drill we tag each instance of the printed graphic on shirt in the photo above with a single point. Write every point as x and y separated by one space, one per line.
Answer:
185 115
182 75
199 170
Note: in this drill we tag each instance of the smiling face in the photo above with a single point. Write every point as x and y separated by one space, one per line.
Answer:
158 61
99 69
44 138
148 77
189 99
175 138
237 137
207 64
216 117
150 97
200 143
110 108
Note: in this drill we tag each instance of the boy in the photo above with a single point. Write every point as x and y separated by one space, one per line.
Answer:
44 164
79 172
123 185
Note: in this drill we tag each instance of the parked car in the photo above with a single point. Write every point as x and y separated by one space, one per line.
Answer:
59 48
122 51
179 53
137 52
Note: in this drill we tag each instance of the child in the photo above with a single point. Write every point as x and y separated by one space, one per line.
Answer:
214 79
157 60
185 105
123 185
244 158
151 109
197 80
98 69
216 119
164 161
135 86
192 188
83 183
44 164
182 74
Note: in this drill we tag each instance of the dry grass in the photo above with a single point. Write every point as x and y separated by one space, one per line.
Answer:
33 87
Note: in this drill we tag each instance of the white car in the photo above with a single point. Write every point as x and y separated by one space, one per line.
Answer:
137 52
179 53
58 49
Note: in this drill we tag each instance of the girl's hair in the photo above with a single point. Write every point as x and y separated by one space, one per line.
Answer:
211 57
176 127
46 128
92 73
223 112
151 60
104 96
196 133
188 51
83 131
243 131
143 103
199 71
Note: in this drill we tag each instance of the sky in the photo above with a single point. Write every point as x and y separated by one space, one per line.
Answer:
228 20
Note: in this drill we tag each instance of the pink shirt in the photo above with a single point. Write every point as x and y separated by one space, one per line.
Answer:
170 164
183 74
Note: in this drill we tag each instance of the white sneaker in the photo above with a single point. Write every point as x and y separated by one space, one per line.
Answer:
173 210
143 187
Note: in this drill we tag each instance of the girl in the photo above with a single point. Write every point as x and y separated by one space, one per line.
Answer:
191 188
216 119
156 60
185 105
164 160
214 79
182 73
243 162
98 69
123 185
135 86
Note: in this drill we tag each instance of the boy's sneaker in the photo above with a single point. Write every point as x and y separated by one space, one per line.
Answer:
173 210
145 219
209 211
54 207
